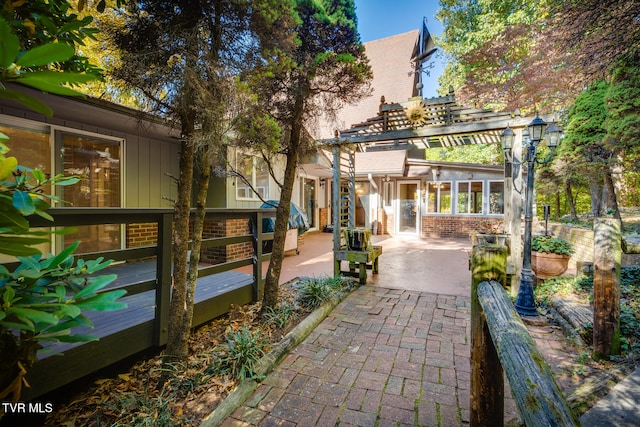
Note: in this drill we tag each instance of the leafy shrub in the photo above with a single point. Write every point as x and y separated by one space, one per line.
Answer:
238 356
549 244
43 297
282 315
313 292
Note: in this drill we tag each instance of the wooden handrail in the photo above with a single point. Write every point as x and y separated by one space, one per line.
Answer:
501 344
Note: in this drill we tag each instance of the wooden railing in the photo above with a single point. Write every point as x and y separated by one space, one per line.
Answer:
501 344
131 338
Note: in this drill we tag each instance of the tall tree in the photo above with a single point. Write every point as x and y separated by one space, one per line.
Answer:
184 56
325 68
593 34
623 120
500 54
585 148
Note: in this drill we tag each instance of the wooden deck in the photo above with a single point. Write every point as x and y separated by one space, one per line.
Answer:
141 307
145 272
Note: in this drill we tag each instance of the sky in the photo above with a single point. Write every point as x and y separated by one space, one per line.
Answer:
383 18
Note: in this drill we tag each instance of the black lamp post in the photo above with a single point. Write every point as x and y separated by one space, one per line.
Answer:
525 301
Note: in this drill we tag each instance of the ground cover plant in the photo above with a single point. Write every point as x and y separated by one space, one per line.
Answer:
581 289
221 354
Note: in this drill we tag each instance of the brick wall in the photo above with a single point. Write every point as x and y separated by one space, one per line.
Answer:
324 219
456 226
226 228
382 223
142 234
389 226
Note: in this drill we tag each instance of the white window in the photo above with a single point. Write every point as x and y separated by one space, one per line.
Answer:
94 159
439 197
254 174
469 197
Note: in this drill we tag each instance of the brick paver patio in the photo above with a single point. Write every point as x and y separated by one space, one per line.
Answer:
383 357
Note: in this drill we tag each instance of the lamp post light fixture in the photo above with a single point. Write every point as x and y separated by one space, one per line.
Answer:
538 130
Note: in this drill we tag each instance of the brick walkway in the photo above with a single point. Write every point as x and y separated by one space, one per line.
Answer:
389 357
383 357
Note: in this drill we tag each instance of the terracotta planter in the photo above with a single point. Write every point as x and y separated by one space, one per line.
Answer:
547 265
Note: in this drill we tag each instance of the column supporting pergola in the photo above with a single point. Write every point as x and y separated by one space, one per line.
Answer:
428 123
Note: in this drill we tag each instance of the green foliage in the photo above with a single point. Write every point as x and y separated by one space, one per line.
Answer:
143 410
483 154
583 286
549 244
623 107
281 315
239 355
42 299
558 285
22 194
39 66
313 292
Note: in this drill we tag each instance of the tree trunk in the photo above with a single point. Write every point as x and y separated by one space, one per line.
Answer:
177 334
612 199
595 188
607 257
272 282
570 199
196 244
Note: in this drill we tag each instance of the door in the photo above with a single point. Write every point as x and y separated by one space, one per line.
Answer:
309 201
408 207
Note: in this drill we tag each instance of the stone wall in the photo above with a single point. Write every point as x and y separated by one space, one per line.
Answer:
582 240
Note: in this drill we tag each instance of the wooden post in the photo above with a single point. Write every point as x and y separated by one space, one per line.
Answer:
258 286
488 262
335 210
513 214
538 397
164 259
607 257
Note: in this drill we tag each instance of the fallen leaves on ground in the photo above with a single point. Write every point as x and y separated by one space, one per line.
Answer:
136 398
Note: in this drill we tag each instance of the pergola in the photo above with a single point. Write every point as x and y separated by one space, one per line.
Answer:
427 123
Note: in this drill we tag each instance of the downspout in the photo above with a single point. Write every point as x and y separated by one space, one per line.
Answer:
375 187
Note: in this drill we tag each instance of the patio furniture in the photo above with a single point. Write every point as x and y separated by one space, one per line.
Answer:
367 259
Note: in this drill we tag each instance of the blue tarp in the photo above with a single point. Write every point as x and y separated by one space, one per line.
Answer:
297 218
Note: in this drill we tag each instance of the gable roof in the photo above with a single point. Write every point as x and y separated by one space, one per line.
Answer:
390 59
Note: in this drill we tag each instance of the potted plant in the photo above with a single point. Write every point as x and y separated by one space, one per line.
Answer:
550 255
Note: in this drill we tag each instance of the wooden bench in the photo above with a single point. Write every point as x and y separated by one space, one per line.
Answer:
362 259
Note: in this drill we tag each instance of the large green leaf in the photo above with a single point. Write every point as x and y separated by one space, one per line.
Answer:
46 86
99 283
22 201
35 316
7 166
61 77
29 101
62 256
104 302
70 310
13 220
20 246
9 45
46 54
